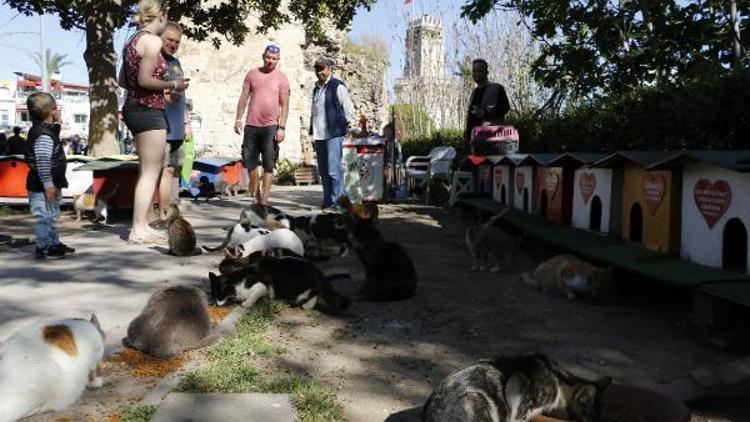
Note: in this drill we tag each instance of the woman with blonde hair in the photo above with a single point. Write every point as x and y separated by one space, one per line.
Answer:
141 74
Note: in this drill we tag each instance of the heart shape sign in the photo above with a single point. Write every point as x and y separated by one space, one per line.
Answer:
587 185
520 181
551 182
712 200
654 186
498 177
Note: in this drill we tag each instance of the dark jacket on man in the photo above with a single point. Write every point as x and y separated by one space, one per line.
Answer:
493 99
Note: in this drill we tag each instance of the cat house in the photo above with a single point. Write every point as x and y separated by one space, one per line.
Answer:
115 172
13 171
79 182
219 169
715 204
501 175
522 166
650 199
553 188
597 205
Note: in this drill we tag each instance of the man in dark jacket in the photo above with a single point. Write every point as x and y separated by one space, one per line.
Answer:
16 143
332 115
488 103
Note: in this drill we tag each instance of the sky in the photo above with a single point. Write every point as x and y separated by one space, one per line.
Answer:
19 36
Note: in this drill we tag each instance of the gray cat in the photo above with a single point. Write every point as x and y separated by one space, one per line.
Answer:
180 233
514 389
175 319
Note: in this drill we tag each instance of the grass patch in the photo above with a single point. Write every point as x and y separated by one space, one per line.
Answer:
229 369
138 414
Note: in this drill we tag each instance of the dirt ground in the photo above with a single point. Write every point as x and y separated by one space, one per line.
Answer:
384 358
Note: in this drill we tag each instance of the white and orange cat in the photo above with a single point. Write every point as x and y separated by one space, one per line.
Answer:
46 366
566 275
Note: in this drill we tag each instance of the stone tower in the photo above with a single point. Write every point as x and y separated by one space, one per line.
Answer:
425 48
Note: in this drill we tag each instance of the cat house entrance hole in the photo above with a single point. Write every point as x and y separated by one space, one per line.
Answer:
526 199
636 223
734 248
595 217
502 195
543 204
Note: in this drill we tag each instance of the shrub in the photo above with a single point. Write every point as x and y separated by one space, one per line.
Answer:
284 173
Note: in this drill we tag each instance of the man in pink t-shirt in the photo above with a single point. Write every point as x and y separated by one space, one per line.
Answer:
267 90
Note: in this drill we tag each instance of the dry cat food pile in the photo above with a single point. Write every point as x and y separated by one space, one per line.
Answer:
142 365
218 313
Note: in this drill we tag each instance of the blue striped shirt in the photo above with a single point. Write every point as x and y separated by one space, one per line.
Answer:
43 152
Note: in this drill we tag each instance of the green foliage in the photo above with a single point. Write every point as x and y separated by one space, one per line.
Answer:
591 48
138 413
413 120
711 113
284 173
229 369
421 145
54 61
371 46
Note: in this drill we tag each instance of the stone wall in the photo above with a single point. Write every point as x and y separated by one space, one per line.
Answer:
217 76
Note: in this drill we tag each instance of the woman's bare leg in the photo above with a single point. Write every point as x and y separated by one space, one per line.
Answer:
151 146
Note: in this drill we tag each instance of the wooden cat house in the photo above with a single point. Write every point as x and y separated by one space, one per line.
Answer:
650 199
593 205
13 172
501 179
715 204
115 172
522 182
553 187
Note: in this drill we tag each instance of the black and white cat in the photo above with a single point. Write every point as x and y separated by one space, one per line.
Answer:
175 319
314 229
389 270
47 365
294 280
514 389
240 233
266 216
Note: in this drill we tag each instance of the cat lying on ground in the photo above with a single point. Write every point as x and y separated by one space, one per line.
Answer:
47 365
266 216
568 276
514 389
296 281
93 202
490 245
389 270
175 319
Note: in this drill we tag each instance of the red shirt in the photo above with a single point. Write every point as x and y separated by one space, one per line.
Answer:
266 90
132 61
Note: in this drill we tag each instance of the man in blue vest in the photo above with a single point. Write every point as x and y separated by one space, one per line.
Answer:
332 115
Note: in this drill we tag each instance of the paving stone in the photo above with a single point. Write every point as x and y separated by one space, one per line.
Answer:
219 407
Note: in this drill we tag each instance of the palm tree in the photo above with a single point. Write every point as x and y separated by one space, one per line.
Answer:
54 61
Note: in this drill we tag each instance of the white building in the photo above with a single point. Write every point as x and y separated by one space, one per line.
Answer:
72 100
7 105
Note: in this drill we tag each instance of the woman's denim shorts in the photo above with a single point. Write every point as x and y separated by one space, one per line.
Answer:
139 118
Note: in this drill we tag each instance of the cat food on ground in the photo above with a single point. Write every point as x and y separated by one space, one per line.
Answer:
218 313
143 366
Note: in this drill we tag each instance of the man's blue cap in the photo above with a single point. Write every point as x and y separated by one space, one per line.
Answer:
273 48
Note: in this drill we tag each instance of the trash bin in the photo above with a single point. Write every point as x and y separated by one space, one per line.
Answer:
364 168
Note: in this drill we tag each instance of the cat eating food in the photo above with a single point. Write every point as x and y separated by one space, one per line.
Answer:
514 389
46 366
294 280
175 319
568 276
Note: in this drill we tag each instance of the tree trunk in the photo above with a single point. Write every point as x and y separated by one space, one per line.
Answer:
101 62
737 47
